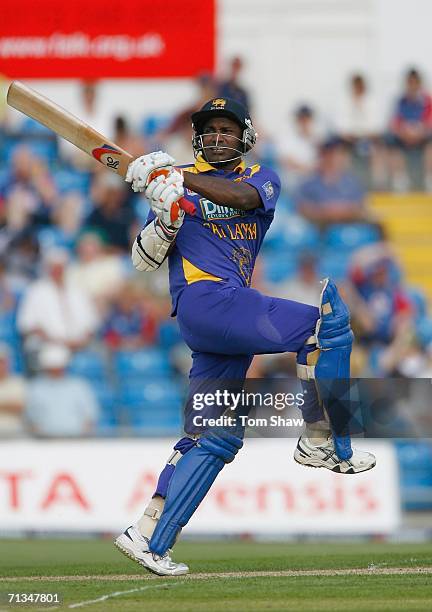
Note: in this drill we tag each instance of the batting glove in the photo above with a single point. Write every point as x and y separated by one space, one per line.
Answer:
163 193
140 170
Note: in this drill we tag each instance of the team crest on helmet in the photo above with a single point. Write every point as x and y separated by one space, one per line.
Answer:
219 103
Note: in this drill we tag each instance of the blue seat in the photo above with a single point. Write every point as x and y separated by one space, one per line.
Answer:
159 424
158 392
41 140
8 329
169 334
108 419
299 234
334 264
423 329
89 364
351 235
71 180
144 363
153 124
154 407
419 301
49 237
415 459
280 266
291 232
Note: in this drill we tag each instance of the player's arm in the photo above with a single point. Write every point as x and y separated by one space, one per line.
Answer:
163 190
221 191
152 246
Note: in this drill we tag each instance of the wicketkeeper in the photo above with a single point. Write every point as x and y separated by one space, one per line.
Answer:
225 322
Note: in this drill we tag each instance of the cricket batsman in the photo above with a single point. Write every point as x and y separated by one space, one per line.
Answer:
224 321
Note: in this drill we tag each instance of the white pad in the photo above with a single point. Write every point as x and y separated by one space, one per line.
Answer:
151 246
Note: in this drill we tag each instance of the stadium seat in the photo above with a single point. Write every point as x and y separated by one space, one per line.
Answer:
415 459
423 329
89 364
152 407
108 420
334 263
8 330
50 237
419 301
144 363
153 124
291 232
169 334
351 235
40 139
72 180
279 266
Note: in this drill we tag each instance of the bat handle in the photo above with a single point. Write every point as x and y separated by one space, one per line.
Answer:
187 206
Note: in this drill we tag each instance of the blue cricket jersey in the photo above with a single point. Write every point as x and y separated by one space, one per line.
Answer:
220 243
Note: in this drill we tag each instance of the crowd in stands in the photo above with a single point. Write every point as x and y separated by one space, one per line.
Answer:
86 343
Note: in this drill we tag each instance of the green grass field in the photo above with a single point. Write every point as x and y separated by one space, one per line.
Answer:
93 575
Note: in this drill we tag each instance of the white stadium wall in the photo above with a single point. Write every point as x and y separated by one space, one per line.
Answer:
103 486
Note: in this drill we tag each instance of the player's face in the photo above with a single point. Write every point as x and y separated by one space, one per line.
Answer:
222 139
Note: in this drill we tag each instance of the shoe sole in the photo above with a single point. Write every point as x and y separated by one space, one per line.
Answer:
130 555
316 463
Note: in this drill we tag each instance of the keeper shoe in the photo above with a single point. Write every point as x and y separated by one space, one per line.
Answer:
135 546
325 456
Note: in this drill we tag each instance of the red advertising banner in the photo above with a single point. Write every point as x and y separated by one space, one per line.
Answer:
91 39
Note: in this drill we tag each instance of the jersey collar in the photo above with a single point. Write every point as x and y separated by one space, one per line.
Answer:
203 166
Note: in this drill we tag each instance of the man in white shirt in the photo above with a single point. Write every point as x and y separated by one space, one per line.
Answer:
54 309
360 121
59 405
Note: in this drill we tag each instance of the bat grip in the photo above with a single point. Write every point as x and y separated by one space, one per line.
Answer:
187 206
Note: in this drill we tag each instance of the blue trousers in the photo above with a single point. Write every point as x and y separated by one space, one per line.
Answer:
226 326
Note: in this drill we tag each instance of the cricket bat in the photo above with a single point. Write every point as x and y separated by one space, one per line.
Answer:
79 133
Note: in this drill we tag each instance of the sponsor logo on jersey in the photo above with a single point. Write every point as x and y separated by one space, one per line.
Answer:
210 210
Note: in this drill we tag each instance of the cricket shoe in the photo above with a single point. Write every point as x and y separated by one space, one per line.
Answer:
135 546
325 456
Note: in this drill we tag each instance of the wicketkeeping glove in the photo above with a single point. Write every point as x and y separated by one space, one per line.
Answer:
140 170
163 193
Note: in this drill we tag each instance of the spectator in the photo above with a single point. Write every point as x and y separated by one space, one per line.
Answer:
231 87
358 117
359 122
59 404
129 324
111 217
22 258
177 135
67 218
380 307
99 273
55 310
411 131
305 286
125 139
333 194
298 147
28 191
12 397
91 110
